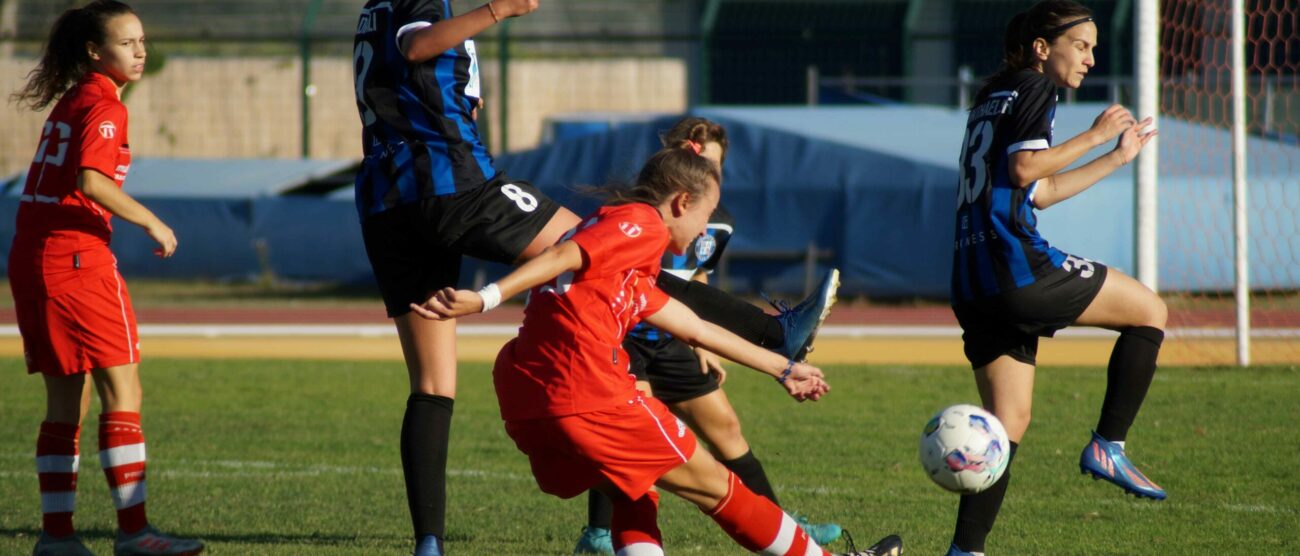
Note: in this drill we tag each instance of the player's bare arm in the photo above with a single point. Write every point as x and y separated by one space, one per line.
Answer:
805 382
1026 167
553 261
104 191
428 43
1060 187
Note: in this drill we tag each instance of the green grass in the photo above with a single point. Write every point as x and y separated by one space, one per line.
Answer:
301 457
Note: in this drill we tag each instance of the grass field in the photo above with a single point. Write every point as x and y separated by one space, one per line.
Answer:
282 457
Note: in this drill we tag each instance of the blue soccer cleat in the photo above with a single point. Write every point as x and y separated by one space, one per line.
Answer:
70 545
428 546
821 533
801 322
954 551
594 540
1106 460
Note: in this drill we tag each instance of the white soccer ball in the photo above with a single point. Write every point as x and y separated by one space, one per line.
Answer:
964 449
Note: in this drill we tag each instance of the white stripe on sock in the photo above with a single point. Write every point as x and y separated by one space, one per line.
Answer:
54 502
121 455
784 538
641 549
57 464
127 495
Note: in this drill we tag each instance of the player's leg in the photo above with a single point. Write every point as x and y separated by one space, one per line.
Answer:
122 456
57 462
1124 304
1006 388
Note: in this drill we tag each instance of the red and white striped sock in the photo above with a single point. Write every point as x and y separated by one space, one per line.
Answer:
759 525
121 454
634 527
57 461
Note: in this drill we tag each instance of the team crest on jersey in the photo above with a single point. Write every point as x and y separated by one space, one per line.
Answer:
629 229
107 130
705 245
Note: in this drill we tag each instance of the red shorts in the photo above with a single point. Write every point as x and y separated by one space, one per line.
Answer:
631 446
90 326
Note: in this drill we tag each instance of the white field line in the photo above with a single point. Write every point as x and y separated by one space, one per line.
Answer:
828 331
236 469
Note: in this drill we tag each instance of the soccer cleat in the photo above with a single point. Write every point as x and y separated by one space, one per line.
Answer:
428 546
152 542
594 540
801 322
70 545
821 533
1106 460
888 546
954 551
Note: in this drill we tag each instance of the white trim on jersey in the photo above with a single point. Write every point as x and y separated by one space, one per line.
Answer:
641 549
683 273
408 28
1030 145
126 323
58 464
1033 188
720 226
661 429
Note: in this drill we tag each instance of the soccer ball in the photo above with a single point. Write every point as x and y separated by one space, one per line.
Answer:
964 449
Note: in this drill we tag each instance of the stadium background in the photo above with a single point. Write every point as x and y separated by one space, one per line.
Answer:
245 136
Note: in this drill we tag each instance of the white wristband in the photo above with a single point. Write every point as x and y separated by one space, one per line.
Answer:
491 295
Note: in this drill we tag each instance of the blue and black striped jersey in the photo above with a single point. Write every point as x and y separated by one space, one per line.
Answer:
702 256
998 247
419 137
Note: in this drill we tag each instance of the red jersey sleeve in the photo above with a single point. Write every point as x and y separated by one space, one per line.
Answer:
624 238
103 132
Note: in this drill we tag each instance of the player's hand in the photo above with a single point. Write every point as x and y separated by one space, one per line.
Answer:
711 363
1113 121
806 382
473 112
448 303
515 8
1133 139
165 237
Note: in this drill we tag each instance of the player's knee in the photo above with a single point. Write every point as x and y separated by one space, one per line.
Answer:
1156 313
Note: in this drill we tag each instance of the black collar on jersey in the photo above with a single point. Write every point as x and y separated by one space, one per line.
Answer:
1061 28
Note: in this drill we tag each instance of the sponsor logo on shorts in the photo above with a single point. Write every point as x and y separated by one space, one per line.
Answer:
629 229
107 130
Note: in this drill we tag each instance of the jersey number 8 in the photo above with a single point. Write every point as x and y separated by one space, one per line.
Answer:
523 199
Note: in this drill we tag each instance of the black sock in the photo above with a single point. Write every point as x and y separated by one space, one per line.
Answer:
725 310
426 429
600 510
977 512
750 471
1132 364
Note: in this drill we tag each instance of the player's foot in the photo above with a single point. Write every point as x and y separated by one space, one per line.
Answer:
801 322
594 540
70 545
152 542
888 546
428 546
954 551
821 533
1106 460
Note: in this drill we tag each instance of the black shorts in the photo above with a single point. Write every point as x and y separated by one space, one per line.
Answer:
1010 323
671 367
415 249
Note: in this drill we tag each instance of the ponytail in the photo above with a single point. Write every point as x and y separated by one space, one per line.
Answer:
697 130
675 169
1045 20
65 60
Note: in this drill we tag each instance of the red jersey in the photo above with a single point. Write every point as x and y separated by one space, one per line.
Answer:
58 228
569 357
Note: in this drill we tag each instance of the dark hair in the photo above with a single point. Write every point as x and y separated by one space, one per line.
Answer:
65 60
674 169
1047 20
697 130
